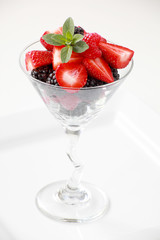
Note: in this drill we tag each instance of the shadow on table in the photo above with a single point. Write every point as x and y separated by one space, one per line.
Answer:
33 126
26 128
28 138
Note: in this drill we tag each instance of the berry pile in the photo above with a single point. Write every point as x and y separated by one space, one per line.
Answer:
48 75
45 74
75 59
115 73
42 73
51 79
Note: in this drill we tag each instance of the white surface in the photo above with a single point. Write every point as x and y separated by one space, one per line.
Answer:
31 140
125 162
134 24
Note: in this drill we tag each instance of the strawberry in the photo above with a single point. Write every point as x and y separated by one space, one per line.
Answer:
116 56
103 40
50 47
37 58
75 57
92 39
98 69
72 75
58 30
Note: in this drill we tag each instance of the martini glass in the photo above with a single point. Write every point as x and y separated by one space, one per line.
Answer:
73 200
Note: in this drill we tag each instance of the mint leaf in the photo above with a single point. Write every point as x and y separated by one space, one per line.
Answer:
66 54
69 36
68 26
48 38
77 38
51 39
59 38
80 47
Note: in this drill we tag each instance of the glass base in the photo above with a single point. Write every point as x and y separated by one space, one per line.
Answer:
49 202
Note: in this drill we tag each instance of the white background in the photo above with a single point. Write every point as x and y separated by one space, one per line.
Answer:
31 140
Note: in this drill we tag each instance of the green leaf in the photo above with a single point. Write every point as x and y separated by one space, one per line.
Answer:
69 36
77 38
48 38
59 38
68 26
80 47
55 39
66 54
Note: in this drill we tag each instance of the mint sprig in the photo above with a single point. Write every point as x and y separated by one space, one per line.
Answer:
66 53
68 26
72 42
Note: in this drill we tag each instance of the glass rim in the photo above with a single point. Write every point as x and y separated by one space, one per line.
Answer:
69 88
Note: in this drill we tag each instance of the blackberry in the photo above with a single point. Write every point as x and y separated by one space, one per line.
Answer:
92 82
41 73
51 79
115 73
78 30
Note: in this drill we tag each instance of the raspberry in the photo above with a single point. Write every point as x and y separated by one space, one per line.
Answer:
92 39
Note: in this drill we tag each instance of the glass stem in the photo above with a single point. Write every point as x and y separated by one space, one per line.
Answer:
73 137
73 193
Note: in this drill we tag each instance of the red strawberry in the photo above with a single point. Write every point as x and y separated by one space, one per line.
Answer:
75 57
37 58
58 30
103 40
116 56
92 39
50 47
71 75
98 69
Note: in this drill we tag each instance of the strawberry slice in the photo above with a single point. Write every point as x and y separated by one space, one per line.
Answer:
116 56
50 47
75 57
58 31
37 58
98 69
71 75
